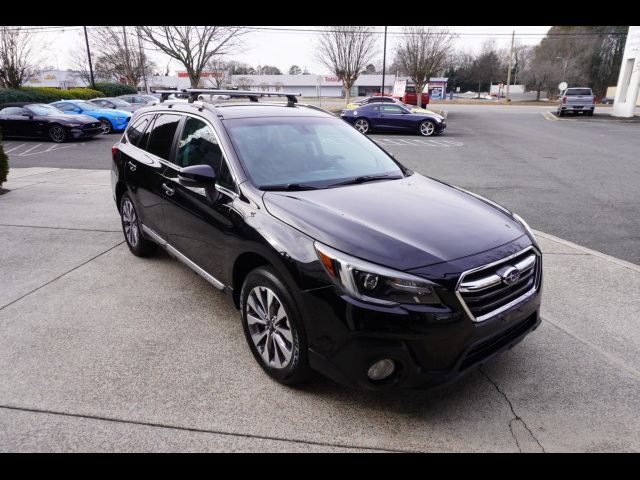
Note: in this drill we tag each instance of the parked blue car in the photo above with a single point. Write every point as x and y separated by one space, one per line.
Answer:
395 118
111 120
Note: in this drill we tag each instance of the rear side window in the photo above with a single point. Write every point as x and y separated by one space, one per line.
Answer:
136 129
578 91
161 138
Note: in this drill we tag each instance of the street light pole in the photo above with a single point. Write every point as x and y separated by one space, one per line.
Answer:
564 70
86 38
384 60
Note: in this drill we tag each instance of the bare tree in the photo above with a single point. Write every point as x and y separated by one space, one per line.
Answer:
278 86
345 51
17 56
119 55
244 83
193 46
218 68
422 53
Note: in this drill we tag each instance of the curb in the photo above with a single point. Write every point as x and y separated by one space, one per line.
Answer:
604 256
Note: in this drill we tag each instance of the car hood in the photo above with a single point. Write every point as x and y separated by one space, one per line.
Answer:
402 224
68 118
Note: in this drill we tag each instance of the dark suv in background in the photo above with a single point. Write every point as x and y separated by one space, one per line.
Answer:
340 259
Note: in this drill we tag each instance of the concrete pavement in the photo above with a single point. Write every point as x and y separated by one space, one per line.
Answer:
101 350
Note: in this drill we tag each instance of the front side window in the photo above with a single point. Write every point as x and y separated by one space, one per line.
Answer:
66 107
161 137
199 146
86 106
313 151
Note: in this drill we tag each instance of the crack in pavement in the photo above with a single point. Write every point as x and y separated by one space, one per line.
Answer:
516 417
60 228
202 430
60 276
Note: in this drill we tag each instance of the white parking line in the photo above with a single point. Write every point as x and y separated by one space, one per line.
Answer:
27 151
418 142
15 148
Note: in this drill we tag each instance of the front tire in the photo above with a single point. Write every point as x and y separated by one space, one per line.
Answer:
273 327
362 125
138 245
106 126
427 128
57 133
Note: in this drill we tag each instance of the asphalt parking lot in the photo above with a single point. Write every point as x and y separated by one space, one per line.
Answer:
576 178
101 350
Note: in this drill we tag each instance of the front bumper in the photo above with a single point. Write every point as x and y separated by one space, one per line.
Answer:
119 124
425 355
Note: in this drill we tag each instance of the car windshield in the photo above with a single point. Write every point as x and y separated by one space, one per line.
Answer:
306 152
43 109
578 91
86 106
120 103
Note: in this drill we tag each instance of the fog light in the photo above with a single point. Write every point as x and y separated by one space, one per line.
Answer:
381 369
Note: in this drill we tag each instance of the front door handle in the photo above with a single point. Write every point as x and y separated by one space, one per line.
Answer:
168 190
132 166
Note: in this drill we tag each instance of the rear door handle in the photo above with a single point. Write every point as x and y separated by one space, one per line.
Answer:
168 190
132 166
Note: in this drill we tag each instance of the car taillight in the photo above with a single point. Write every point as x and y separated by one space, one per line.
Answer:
564 99
114 151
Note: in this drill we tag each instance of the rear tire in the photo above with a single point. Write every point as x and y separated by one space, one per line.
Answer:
139 246
273 327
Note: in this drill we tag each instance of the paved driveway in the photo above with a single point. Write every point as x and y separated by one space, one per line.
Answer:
101 350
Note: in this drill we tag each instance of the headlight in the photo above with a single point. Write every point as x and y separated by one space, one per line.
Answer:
373 283
524 224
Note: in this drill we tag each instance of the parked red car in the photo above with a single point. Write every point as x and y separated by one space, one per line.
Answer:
410 97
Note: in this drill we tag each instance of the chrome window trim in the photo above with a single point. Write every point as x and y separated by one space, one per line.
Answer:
512 303
215 134
182 257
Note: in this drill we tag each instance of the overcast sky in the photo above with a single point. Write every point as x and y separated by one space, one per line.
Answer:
285 48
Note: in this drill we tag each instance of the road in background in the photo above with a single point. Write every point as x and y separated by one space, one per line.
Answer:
574 178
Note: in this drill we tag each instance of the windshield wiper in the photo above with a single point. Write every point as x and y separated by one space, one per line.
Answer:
289 187
366 178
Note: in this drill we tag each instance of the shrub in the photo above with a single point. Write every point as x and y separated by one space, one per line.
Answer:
46 94
4 163
115 89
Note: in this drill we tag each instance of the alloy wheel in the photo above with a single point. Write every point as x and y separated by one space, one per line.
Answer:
362 125
427 129
130 223
57 134
105 125
269 327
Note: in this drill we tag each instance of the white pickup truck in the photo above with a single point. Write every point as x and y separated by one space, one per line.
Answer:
580 99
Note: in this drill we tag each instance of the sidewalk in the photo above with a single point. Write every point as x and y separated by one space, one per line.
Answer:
101 350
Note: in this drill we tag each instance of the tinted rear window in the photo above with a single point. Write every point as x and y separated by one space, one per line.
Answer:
578 91
161 138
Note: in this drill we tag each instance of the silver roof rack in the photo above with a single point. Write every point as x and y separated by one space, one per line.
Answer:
193 93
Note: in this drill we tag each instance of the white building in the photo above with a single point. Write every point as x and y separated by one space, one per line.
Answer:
307 85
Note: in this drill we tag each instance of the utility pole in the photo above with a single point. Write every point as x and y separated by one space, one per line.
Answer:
86 38
513 37
384 60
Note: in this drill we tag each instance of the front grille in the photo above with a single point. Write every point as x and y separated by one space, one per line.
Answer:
494 288
92 126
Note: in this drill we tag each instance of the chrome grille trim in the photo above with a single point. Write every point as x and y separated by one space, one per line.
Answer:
475 286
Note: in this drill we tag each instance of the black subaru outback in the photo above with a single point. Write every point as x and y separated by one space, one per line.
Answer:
340 259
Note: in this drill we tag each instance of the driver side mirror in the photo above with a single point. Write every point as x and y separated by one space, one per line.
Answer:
28 115
198 176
